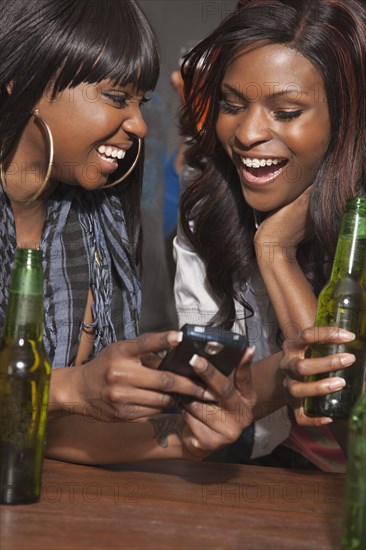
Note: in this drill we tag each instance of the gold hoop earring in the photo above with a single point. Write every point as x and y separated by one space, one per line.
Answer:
131 168
34 197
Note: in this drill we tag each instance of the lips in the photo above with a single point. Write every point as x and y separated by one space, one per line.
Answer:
107 164
261 171
109 155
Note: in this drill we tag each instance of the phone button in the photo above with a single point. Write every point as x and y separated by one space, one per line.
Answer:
213 348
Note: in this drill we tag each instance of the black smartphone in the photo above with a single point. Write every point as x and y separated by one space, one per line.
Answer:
223 348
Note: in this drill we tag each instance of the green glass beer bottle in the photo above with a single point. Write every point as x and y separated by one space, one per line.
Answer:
354 525
24 381
342 303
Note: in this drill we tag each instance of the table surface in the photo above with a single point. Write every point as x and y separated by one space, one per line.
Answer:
175 505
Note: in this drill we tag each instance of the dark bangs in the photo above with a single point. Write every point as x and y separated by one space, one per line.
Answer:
105 39
63 43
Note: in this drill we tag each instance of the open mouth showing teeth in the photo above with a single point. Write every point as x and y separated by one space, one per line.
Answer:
111 154
261 163
263 168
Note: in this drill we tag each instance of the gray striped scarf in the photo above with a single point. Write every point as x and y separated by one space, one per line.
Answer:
107 248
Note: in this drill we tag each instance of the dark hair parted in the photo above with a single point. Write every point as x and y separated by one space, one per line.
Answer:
331 34
47 46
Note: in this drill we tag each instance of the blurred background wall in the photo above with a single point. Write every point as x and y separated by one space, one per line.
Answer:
176 23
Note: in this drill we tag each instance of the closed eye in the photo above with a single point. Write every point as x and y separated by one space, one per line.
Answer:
121 100
234 107
118 99
287 115
230 108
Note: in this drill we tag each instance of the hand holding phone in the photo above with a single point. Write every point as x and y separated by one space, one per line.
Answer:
222 348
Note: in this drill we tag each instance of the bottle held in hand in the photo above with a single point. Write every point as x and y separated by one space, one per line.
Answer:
24 381
342 303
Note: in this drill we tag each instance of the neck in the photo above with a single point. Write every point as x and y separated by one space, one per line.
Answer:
29 220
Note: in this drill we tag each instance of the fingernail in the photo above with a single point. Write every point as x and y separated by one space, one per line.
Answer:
337 384
175 337
194 443
348 360
346 335
209 396
251 352
326 420
198 363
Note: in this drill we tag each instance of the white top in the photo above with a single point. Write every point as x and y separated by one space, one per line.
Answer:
196 304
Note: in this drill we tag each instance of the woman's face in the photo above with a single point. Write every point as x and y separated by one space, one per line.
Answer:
93 125
273 123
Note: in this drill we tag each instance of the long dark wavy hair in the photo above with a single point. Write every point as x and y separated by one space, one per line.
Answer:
331 34
64 43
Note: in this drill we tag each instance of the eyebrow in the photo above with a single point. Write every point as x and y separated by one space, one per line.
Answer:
273 95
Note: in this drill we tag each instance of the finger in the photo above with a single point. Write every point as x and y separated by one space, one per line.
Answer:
124 397
204 413
303 200
157 381
299 390
303 420
300 368
221 386
198 436
125 409
243 374
150 342
152 361
319 335
227 424
131 412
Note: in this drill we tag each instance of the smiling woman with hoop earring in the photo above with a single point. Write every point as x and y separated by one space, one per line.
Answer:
74 75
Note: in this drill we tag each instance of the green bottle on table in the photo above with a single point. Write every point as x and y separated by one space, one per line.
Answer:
342 303
354 526
24 381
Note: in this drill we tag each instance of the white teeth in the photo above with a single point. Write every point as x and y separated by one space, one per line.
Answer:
111 152
257 163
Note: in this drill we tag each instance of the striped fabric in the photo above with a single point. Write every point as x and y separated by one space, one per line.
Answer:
85 245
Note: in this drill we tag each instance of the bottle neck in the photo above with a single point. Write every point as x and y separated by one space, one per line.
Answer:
24 317
350 257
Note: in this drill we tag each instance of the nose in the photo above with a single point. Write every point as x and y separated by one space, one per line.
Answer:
254 127
133 123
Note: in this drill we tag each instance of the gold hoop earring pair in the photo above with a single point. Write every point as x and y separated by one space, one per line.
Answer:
131 168
34 197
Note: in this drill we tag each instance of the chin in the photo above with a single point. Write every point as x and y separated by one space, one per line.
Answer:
259 205
93 186
264 204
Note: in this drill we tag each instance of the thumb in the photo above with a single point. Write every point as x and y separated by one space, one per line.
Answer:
243 375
